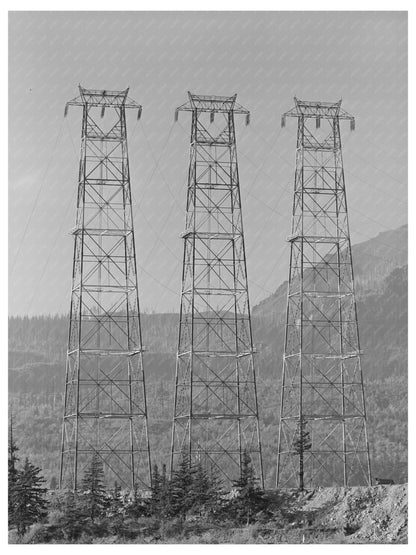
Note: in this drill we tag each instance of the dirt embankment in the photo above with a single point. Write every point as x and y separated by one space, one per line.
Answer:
363 514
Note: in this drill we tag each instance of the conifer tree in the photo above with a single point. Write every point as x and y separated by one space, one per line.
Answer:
116 500
206 489
301 443
156 488
200 489
12 450
73 521
12 472
29 503
117 512
214 491
250 495
160 502
180 487
138 505
165 507
94 498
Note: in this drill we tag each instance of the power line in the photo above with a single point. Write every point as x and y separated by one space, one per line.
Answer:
157 161
381 171
51 250
376 188
43 180
157 280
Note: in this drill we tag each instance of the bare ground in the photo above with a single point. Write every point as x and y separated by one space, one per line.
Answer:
376 514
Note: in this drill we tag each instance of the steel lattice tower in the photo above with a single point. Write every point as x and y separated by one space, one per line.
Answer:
322 430
215 409
105 401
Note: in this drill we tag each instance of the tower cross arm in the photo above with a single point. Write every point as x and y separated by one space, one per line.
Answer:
103 98
212 104
318 110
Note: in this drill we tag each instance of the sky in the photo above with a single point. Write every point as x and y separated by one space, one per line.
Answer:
267 58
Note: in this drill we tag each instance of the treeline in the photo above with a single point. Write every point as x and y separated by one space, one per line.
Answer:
37 345
37 515
38 424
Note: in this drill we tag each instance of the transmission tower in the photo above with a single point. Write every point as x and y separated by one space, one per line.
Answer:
322 430
105 400
215 409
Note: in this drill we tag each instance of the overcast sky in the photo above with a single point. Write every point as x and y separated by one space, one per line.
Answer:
266 58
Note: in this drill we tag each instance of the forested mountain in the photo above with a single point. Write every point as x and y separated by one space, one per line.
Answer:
37 349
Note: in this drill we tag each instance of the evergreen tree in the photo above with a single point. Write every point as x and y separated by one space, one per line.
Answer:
199 491
28 499
181 499
165 507
156 489
116 502
73 521
117 512
250 495
12 472
138 506
12 450
215 492
94 498
192 488
301 443
206 489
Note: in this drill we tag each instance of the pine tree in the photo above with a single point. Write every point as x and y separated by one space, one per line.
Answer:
192 488
206 489
215 492
117 512
12 472
301 443
73 521
165 505
29 503
13 458
94 498
180 488
138 506
116 504
200 488
250 495
156 489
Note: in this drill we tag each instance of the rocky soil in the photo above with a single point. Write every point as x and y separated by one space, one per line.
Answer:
376 514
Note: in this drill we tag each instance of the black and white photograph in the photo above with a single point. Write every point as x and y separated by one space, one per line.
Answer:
207 276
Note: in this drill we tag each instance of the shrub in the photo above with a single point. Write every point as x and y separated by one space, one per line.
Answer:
173 528
39 533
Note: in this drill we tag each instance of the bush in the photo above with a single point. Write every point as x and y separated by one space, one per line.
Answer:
99 528
173 528
85 538
124 528
148 525
39 533
254 530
